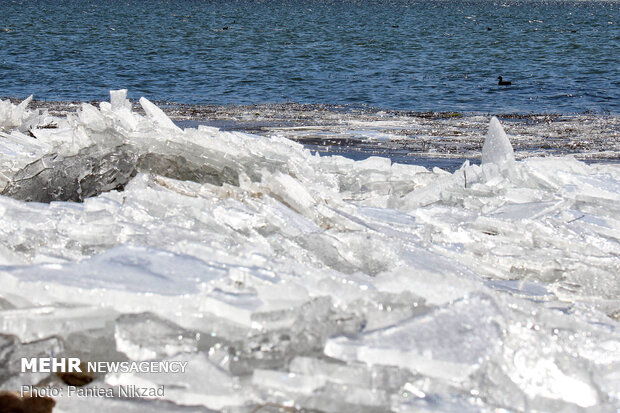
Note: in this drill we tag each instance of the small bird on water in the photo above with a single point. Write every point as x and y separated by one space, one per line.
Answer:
503 82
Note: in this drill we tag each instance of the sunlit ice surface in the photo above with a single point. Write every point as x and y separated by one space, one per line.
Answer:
289 280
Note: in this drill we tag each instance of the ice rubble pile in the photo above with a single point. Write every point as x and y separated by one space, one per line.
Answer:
287 279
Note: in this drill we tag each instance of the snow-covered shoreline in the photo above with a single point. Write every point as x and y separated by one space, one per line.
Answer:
292 279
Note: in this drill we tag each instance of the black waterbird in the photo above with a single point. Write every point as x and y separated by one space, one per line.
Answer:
503 82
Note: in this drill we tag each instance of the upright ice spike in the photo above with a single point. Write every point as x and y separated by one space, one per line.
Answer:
118 99
497 148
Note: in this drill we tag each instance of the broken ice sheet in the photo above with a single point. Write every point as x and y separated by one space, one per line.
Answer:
32 323
550 359
448 343
91 171
382 309
279 335
127 268
248 254
12 350
202 383
11 115
334 386
114 405
317 393
145 336
435 278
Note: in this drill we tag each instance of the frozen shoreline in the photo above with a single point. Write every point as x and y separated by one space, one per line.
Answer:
289 280
442 139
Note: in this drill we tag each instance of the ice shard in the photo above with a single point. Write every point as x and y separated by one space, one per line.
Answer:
497 147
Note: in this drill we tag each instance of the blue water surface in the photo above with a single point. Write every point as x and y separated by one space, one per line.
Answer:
561 56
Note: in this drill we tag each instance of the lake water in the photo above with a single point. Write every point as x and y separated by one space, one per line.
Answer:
561 57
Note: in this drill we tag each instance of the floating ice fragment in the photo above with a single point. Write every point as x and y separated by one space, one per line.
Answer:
497 147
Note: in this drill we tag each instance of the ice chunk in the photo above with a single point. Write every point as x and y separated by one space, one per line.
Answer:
127 268
497 147
541 376
380 309
121 108
8 345
12 116
185 168
202 383
317 392
118 99
438 280
145 336
11 353
320 384
73 404
157 115
91 171
40 322
447 343
358 375
291 382
289 332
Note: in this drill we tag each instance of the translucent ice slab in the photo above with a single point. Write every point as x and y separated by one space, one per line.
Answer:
447 343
